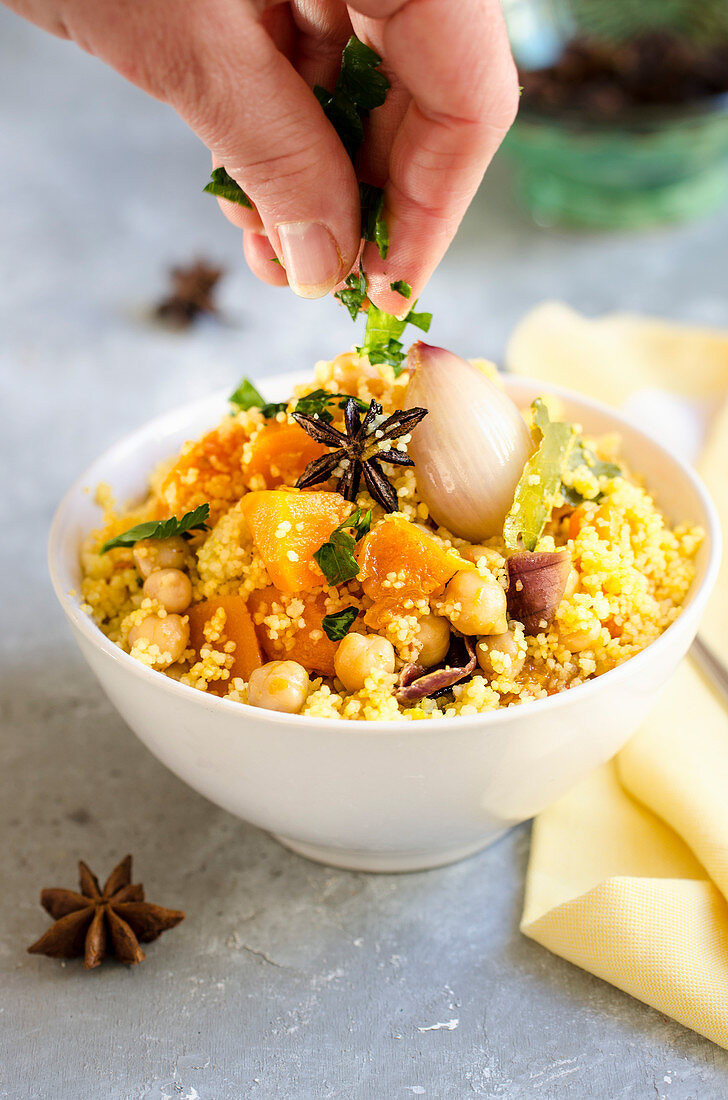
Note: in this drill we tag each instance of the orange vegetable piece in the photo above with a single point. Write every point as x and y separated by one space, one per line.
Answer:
238 628
280 453
307 644
576 522
397 546
208 470
288 527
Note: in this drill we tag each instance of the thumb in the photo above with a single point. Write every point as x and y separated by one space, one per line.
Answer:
216 65
260 119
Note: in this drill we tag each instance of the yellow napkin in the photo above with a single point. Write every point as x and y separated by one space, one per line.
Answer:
628 875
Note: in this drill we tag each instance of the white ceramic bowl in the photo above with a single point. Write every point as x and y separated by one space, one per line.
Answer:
389 796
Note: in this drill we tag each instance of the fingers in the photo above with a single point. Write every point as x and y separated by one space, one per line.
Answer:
218 67
455 61
262 259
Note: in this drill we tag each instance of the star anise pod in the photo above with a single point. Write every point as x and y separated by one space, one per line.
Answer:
192 293
97 923
360 452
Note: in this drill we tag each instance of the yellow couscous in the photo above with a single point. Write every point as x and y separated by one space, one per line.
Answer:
350 596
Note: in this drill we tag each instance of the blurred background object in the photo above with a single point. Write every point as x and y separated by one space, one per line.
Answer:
624 112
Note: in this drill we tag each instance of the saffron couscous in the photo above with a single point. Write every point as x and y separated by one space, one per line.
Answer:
388 545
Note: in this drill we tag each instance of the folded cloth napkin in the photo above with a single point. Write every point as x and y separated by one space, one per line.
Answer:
628 874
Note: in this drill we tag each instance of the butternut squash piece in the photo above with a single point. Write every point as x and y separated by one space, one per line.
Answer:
279 453
398 559
208 470
307 643
287 528
238 628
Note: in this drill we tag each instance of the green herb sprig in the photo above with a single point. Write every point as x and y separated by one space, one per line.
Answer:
162 529
337 625
245 396
223 185
316 403
335 557
382 334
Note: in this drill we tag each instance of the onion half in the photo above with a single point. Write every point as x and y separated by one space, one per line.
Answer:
469 452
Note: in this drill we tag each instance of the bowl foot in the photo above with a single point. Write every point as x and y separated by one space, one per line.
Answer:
353 859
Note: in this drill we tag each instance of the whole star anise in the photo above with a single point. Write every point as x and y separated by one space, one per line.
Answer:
97 923
191 293
359 452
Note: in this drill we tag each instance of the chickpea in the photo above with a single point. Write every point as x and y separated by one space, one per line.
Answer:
279 685
433 637
505 645
475 604
583 637
170 634
493 559
359 655
171 587
151 554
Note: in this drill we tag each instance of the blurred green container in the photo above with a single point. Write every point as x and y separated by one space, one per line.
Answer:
656 164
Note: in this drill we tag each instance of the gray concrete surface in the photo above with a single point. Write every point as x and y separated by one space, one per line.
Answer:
287 979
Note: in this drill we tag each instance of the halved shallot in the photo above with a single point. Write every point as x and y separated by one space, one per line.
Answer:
470 450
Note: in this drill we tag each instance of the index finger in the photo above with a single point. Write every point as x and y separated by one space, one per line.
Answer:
455 60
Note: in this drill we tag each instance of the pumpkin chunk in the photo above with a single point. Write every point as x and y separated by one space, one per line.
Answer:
302 639
279 453
287 528
238 628
209 471
398 559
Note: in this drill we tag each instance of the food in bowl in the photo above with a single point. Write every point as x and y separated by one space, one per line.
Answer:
388 544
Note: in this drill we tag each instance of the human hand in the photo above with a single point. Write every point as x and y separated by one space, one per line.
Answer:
240 73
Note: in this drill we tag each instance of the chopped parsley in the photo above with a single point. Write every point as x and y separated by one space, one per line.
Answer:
354 294
246 396
223 185
335 557
401 287
373 226
337 626
162 529
382 342
359 89
317 403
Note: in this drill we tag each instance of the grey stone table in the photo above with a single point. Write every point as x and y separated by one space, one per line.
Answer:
287 979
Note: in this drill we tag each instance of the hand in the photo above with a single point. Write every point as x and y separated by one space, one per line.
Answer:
240 73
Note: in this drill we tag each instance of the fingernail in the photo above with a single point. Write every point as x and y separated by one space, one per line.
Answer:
310 257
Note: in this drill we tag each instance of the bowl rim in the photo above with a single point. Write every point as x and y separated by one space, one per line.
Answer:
163 424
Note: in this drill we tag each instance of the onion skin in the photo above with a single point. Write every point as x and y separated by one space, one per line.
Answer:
469 452
536 585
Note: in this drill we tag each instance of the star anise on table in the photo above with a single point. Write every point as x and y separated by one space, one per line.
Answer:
191 293
359 452
96 923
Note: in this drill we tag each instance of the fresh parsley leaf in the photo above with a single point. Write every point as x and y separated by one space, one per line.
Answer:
335 557
373 225
317 403
401 287
223 184
359 89
337 626
382 342
581 455
162 529
354 294
272 408
246 396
